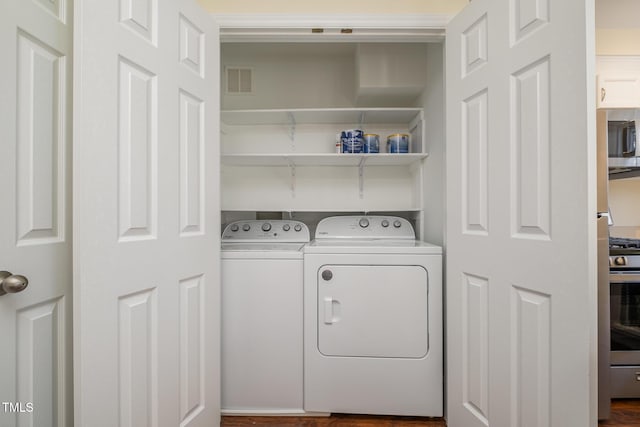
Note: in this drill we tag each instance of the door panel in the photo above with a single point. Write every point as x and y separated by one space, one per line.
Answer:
373 311
35 238
147 215
521 206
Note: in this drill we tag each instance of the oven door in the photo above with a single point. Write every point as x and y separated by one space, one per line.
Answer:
625 318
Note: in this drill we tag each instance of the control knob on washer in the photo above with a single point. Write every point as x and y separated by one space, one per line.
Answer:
385 223
297 227
364 222
286 227
266 226
397 224
246 227
235 228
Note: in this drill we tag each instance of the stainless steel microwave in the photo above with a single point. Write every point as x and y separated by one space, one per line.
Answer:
622 138
623 149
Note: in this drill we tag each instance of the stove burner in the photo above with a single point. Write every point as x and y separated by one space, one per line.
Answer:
624 243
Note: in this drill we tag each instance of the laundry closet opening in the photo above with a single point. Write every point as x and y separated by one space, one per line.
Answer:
284 105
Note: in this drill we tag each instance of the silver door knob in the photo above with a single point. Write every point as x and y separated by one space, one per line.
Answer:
12 283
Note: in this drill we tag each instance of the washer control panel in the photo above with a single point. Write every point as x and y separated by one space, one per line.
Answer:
273 230
365 227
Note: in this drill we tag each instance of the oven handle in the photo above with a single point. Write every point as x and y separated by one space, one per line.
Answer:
624 278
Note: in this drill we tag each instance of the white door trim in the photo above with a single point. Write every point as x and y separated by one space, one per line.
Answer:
371 27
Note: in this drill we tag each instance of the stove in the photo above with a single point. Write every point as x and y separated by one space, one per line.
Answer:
623 243
623 246
624 293
624 254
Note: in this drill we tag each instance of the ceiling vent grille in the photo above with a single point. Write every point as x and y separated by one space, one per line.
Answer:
239 80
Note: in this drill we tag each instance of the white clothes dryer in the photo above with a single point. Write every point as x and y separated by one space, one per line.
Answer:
373 319
262 347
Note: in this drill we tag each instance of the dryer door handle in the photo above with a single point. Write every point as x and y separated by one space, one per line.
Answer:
331 310
328 310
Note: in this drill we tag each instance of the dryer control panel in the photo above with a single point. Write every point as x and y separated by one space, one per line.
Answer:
365 227
273 230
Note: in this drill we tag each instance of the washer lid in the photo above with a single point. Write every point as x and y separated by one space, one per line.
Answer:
371 246
261 250
267 246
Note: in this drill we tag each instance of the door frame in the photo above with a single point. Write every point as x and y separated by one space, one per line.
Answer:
372 28
296 27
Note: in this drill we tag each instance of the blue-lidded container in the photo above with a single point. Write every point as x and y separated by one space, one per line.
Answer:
352 140
398 143
371 143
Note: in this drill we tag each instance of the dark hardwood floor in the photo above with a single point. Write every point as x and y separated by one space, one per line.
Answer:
624 413
335 420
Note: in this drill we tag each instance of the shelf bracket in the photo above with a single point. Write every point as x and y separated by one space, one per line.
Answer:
292 170
361 177
292 130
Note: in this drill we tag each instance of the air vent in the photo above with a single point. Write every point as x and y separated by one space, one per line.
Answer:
239 80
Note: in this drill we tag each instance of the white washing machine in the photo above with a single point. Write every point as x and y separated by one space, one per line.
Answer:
373 319
262 347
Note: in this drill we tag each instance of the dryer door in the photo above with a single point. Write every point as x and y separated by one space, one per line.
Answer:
373 311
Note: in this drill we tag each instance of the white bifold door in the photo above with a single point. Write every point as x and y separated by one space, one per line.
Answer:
146 214
521 215
36 387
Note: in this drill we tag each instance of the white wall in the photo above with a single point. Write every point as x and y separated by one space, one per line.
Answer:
323 75
433 102
618 41
624 202
617 27
317 75
283 72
